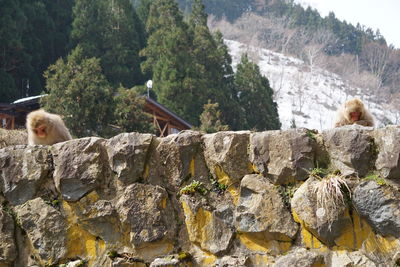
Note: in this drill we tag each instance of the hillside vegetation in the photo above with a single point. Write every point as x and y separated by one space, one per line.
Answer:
359 54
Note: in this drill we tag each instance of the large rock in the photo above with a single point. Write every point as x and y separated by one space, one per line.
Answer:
325 222
127 153
346 259
261 208
351 149
227 152
388 145
22 171
100 218
146 211
46 229
300 258
283 156
177 158
211 230
8 249
380 206
80 166
234 261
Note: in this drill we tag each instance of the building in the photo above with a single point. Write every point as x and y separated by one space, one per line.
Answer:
13 116
165 121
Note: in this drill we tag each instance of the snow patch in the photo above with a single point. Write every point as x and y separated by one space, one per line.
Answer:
308 96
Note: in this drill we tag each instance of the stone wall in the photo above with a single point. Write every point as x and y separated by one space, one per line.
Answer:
275 198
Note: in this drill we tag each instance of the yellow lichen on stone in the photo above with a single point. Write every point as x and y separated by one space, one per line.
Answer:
80 243
208 259
235 193
92 197
379 245
252 168
200 257
253 242
223 178
196 223
260 260
284 246
354 235
85 202
319 263
309 240
192 168
146 171
164 203
263 243
154 249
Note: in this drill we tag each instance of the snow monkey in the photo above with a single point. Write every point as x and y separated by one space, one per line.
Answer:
353 112
45 128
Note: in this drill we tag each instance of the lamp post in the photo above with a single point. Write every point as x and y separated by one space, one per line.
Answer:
149 85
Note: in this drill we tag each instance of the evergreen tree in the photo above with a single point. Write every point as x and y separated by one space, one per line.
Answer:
129 112
211 119
168 59
108 29
38 42
255 97
213 73
207 71
143 9
61 14
230 109
15 62
79 92
198 17
29 43
8 92
89 25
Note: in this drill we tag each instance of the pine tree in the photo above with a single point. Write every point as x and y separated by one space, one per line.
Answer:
207 71
168 59
211 119
213 73
79 92
230 109
129 112
13 57
38 42
255 97
27 41
143 9
8 91
108 29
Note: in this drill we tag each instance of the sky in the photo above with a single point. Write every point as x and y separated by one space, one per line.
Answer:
375 14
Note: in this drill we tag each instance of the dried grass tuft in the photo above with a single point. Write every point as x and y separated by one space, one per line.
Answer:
330 194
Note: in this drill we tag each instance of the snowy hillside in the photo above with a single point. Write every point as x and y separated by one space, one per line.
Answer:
310 97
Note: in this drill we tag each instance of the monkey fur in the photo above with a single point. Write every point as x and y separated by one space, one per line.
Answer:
45 128
353 112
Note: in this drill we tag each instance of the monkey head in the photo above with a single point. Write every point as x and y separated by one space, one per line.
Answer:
45 128
40 125
354 110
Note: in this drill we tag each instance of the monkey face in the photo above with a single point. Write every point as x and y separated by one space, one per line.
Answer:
40 131
355 116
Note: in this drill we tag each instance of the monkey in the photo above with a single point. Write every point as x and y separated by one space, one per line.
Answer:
45 128
353 112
